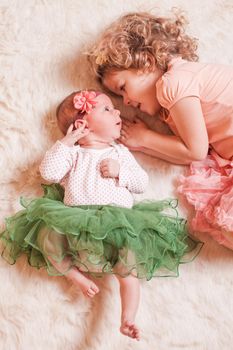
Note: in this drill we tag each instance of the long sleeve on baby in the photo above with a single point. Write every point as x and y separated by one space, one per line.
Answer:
57 162
131 174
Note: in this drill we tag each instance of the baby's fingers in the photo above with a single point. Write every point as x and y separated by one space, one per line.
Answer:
103 162
82 124
105 173
104 170
80 132
70 129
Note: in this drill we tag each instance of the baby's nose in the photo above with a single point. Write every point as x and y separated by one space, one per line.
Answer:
117 112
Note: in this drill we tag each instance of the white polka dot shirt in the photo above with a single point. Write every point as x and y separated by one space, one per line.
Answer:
77 170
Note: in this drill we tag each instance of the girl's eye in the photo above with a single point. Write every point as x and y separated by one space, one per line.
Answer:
107 109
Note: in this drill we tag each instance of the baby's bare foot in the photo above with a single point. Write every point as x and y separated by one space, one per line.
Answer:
92 290
130 329
87 286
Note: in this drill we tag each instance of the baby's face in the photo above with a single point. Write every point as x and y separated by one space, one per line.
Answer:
104 120
137 89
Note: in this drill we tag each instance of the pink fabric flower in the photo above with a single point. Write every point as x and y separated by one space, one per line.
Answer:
84 101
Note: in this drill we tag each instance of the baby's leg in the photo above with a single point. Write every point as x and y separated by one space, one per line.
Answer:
86 285
130 294
53 244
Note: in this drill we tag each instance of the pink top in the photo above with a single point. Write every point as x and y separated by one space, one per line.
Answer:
77 169
213 85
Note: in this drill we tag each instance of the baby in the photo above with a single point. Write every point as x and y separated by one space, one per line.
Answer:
90 226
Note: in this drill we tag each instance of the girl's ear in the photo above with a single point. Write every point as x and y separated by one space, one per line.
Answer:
80 122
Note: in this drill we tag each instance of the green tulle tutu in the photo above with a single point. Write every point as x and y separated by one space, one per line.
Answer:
148 240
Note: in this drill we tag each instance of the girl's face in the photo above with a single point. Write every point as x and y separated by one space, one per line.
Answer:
138 89
104 120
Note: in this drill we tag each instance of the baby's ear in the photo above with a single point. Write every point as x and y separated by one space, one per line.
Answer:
80 122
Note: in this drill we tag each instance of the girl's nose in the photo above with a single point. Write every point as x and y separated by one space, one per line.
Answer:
134 104
126 100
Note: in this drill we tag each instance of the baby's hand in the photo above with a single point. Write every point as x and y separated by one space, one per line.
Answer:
72 136
109 168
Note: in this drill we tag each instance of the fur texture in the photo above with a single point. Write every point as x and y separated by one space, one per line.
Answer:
42 44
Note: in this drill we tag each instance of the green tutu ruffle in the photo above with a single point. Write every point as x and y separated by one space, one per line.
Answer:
148 240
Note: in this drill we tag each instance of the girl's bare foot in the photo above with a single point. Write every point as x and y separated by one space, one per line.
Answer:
130 329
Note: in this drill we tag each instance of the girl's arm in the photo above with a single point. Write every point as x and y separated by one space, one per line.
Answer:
155 154
56 163
193 141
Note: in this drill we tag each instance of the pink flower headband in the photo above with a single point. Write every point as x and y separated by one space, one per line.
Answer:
84 101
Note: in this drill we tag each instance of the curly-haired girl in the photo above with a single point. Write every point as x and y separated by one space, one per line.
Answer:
151 63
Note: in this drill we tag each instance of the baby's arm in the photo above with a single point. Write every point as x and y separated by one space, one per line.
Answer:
56 163
131 175
58 160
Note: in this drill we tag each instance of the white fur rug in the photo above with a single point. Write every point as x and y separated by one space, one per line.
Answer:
41 45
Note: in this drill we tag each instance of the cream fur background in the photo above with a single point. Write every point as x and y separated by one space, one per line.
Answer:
41 45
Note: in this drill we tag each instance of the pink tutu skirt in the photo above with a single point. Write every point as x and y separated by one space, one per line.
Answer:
209 188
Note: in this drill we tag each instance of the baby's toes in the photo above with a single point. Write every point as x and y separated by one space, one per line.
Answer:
95 288
92 291
136 334
131 330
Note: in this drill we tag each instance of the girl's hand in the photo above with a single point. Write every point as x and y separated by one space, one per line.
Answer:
132 134
72 136
109 168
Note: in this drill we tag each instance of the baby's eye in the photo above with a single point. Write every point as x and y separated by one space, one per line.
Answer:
107 109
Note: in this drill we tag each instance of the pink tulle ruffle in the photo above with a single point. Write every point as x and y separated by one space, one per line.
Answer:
209 188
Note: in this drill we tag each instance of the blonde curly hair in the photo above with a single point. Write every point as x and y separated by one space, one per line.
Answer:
142 41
